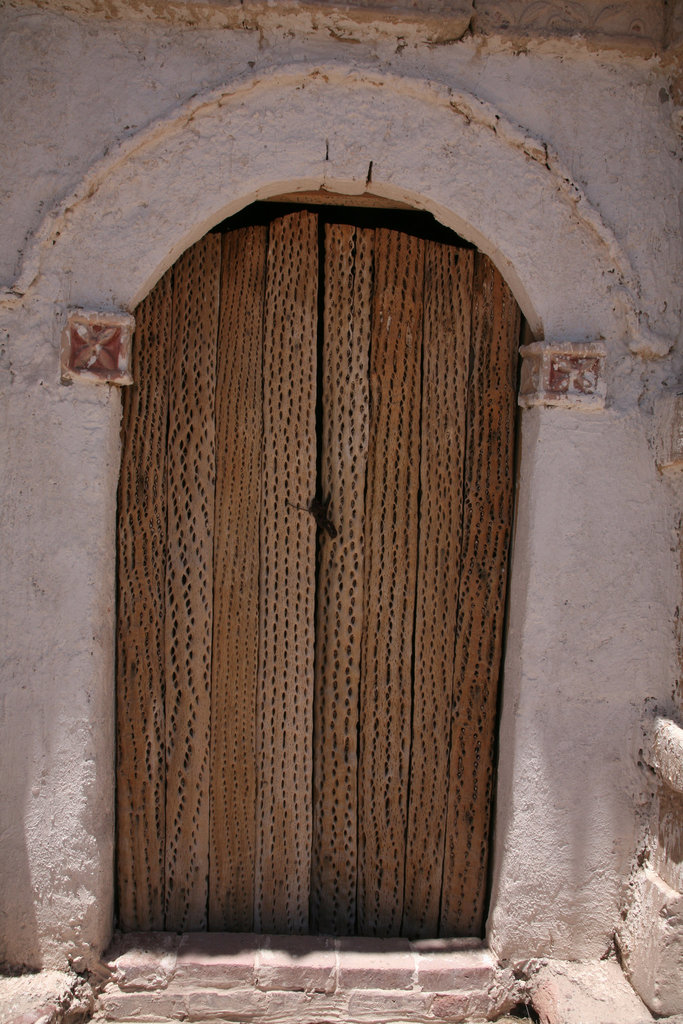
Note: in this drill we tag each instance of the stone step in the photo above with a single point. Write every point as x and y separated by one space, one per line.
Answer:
499 1020
363 1006
263 979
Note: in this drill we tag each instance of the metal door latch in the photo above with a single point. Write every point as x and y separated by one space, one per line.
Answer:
318 508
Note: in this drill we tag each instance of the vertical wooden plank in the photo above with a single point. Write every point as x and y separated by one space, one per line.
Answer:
345 409
140 733
389 579
446 348
489 483
189 582
287 579
239 398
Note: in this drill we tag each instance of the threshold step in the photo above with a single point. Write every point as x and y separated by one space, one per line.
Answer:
308 979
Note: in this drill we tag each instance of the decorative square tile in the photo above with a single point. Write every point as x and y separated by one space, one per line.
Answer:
96 347
567 374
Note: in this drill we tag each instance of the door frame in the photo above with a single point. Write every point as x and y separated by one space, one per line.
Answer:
413 218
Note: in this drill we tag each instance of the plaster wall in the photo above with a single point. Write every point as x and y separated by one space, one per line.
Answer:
588 624
124 140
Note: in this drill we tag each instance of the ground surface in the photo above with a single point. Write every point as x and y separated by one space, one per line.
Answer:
45 997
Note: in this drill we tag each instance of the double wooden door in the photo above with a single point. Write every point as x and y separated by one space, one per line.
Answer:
306 704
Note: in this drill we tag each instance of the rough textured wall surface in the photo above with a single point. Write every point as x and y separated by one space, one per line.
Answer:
125 137
595 595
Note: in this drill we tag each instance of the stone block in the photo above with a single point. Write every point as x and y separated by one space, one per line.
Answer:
381 1007
376 963
451 1006
145 961
463 969
652 944
114 1004
458 1006
296 1007
663 743
217 959
236 1004
297 963
591 993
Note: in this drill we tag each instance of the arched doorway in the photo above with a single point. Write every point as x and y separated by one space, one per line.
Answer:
314 520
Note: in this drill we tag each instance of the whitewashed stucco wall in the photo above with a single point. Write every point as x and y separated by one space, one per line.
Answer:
123 142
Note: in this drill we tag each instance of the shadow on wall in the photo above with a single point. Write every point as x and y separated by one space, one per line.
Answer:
23 751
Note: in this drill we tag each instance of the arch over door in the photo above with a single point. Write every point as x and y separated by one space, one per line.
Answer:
306 705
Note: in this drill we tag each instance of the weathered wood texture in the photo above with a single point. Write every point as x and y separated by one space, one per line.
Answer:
446 349
488 498
287 578
140 647
239 403
348 271
391 513
189 582
306 722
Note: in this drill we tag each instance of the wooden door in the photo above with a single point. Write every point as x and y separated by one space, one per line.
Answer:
306 708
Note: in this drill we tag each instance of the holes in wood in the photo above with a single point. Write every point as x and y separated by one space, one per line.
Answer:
306 724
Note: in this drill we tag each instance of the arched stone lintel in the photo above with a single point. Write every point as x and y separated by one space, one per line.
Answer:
349 131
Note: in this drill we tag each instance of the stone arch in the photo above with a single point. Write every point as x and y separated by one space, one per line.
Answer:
348 131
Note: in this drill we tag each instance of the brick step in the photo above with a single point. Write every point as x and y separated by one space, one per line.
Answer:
263 979
473 1020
